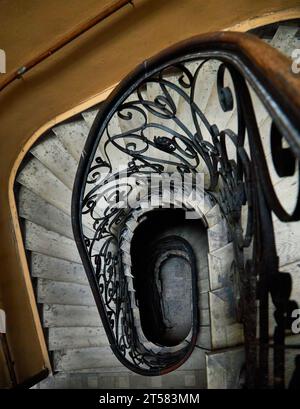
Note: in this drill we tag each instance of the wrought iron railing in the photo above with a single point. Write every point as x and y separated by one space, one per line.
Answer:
154 136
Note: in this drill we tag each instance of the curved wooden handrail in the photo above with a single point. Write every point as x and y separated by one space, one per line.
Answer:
66 39
268 64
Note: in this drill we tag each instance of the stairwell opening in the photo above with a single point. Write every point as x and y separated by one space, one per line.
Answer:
165 273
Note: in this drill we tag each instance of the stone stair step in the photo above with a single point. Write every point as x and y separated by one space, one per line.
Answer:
283 39
76 337
57 269
174 380
121 370
196 361
207 77
293 45
51 153
47 242
58 292
203 286
214 112
73 135
35 209
287 238
217 236
204 318
39 179
213 216
220 266
224 368
102 358
90 115
85 358
226 331
63 315
204 336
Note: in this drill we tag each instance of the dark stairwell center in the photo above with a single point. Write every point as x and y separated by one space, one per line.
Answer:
165 273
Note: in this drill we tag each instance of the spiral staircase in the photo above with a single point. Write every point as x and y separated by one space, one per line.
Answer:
76 338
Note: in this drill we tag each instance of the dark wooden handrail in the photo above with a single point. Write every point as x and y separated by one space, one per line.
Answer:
266 63
66 39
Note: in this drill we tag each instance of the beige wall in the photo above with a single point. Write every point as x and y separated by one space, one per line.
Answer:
83 69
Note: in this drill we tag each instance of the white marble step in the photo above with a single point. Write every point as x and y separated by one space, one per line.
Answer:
217 236
35 209
293 45
62 315
204 335
76 337
174 380
206 80
283 39
39 179
205 84
262 118
220 264
58 292
286 190
57 269
101 370
45 200
90 115
52 153
214 112
94 358
287 238
204 319
224 369
195 361
47 242
226 331
86 358
203 301
73 135
213 216
203 284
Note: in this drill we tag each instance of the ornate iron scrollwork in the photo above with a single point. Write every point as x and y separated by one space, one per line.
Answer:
166 130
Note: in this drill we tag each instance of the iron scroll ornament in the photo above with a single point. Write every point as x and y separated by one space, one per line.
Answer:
236 178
